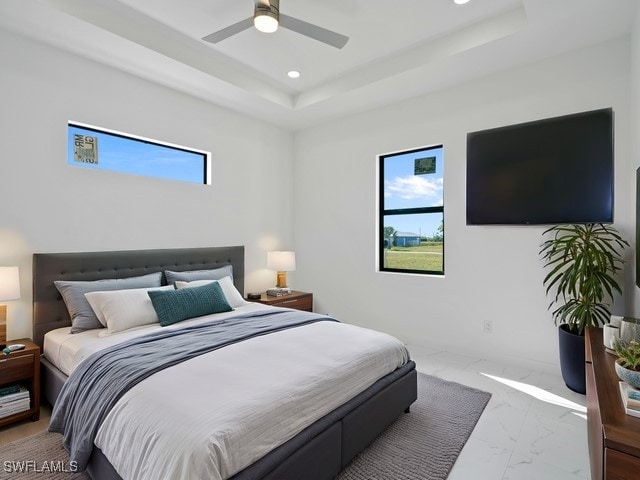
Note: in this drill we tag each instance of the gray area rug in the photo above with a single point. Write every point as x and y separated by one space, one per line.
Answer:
422 445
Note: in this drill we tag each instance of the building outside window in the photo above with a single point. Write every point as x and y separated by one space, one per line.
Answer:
411 211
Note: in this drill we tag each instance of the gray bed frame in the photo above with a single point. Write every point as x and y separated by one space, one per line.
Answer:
317 453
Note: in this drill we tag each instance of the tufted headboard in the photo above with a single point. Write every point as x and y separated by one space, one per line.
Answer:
50 311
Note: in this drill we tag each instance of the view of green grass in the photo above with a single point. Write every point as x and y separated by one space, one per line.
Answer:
427 256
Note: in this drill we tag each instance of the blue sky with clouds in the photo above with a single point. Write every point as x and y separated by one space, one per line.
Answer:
404 189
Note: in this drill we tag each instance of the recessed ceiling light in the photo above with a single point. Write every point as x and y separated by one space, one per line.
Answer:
460 2
293 74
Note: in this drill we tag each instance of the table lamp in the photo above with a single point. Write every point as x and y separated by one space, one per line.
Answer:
9 290
282 262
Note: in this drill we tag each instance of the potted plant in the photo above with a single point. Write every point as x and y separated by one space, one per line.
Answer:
628 362
583 260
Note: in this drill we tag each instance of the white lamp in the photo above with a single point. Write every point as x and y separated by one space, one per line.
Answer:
9 290
282 262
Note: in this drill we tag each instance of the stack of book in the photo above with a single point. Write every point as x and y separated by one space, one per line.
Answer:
278 292
13 399
630 399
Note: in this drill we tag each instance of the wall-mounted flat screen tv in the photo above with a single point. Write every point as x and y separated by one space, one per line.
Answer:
557 170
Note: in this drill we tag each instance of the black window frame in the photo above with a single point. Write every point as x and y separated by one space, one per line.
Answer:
382 213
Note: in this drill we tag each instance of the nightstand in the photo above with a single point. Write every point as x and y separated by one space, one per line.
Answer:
296 300
22 367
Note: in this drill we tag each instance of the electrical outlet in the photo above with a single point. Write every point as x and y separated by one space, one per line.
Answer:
488 326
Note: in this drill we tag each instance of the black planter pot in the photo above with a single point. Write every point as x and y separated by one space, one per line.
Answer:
572 359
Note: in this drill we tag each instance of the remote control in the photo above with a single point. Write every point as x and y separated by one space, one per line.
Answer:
13 348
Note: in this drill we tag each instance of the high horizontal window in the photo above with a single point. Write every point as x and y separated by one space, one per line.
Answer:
101 149
411 211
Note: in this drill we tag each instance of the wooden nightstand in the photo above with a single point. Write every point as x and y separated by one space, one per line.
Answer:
22 367
296 300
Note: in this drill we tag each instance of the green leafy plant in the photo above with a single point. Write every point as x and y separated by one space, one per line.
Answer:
583 260
628 354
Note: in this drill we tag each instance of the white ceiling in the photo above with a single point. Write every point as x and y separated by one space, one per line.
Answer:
397 49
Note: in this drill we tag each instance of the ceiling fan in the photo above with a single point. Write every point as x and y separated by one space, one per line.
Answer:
267 18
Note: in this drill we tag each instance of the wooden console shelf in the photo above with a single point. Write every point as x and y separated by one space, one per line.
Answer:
614 436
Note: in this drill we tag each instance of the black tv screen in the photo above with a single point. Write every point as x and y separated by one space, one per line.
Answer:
557 170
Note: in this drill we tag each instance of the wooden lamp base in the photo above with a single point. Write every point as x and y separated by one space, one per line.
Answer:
3 325
281 281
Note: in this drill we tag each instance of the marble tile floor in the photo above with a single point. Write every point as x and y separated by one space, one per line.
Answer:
534 427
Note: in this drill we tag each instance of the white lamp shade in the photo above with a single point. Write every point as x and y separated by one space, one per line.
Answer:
9 283
281 261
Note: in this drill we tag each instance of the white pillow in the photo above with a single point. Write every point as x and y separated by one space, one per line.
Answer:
120 310
228 288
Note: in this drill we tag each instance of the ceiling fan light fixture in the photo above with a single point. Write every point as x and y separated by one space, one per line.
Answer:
265 17
460 2
265 23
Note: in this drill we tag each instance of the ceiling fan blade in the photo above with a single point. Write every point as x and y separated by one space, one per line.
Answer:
229 31
313 31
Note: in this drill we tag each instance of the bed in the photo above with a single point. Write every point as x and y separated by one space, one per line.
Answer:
317 451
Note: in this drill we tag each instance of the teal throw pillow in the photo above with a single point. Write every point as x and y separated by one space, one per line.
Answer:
173 306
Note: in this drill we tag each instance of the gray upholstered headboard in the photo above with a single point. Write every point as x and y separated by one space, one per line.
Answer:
50 311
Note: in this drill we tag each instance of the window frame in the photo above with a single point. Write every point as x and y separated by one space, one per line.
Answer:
382 213
206 156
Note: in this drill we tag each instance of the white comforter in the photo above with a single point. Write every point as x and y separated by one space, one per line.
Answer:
214 415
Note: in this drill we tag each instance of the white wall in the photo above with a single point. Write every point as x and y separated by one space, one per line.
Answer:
491 272
48 206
